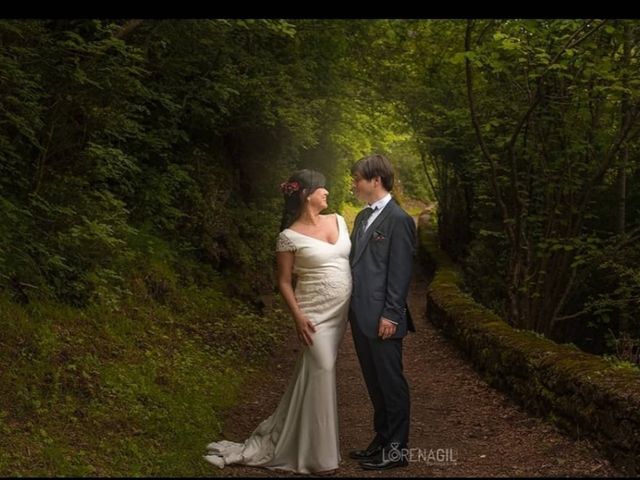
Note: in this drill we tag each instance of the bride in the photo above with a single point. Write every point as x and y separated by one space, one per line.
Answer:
301 436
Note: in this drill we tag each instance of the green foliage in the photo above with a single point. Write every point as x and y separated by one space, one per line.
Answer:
183 129
139 172
135 391
530 213
139 206
580 392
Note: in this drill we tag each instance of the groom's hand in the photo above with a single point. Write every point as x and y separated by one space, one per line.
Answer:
386 328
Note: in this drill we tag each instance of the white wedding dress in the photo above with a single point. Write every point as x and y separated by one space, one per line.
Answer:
302 434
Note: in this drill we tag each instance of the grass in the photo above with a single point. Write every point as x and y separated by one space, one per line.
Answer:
131 389
137 391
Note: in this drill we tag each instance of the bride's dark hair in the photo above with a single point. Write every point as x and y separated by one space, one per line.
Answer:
296 190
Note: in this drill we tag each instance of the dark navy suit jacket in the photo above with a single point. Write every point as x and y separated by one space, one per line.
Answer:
381 265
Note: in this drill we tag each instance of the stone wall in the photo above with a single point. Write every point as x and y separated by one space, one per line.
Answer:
584 394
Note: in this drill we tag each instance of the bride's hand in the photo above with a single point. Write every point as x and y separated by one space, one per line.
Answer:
305 330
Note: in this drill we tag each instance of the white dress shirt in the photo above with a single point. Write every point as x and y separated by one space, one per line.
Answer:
379 205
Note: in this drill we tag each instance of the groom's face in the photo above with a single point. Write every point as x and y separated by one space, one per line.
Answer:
363 189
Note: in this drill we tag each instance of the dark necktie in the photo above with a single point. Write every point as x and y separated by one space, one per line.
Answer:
366 213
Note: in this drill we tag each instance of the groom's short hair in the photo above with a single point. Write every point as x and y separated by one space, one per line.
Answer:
375 166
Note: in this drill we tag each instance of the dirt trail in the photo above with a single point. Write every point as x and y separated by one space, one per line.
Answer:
456 417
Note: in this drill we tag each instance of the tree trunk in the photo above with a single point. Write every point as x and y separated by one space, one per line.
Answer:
622 191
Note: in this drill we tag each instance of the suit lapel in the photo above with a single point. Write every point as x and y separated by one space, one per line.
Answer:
360 245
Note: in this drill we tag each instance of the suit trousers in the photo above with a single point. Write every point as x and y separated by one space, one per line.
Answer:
381 364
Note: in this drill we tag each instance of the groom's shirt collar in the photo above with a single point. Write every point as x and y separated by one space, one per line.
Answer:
380 204
377 208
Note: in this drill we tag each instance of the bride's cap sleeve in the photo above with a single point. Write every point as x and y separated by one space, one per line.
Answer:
343 221
284 244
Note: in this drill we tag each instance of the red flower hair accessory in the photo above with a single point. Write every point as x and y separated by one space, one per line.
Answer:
289 187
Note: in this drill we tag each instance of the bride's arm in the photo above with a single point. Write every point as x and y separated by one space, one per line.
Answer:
285 268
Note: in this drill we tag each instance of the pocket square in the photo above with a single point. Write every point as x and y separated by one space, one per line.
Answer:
378 235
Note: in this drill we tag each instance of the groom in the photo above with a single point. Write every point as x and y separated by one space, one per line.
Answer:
383 245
